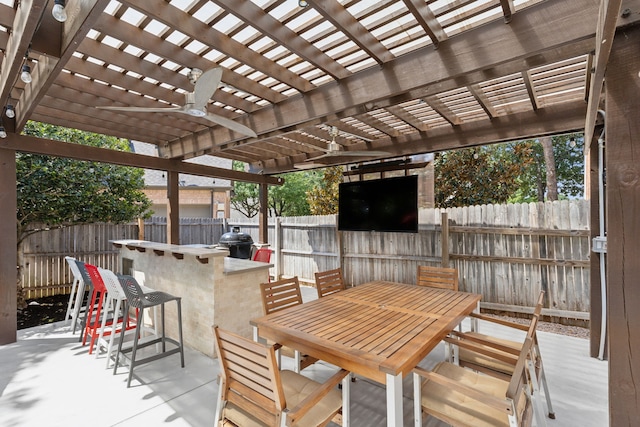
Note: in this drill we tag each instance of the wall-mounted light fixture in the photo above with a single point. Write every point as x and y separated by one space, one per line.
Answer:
10 111
59 12
3 133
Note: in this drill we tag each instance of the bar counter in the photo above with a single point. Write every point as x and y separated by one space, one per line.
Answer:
215 288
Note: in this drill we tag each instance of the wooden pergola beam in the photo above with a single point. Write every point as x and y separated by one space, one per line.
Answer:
176 18
515 47
266 24
25 23
336 13
51 147
82 15
608 14
551 120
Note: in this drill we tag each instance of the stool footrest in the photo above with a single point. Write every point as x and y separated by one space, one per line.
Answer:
154 356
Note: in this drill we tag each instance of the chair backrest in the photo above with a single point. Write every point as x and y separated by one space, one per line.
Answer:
111 282
519 378
90 276
250 379
329 282
438 277
96 278
280 295
74 267
132 290
518 384
263 255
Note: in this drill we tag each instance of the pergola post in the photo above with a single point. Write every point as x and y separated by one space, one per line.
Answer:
8 245
263 216
623 226
173 208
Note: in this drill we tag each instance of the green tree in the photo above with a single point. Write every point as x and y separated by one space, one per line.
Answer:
54 192
245 197
323 198
476 176
568 154
290 199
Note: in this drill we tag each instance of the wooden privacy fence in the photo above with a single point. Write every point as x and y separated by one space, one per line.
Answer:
45 270
508 253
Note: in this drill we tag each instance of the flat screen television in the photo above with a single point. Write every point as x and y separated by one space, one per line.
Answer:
389 204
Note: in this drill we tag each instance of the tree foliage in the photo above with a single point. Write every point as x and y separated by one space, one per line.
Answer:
58 192
323 198
290 199
514 172
568 153
245 197
481 175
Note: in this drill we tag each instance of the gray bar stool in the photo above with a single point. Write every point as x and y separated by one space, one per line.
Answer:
139 300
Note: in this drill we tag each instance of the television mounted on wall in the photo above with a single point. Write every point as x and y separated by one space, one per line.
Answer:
388 204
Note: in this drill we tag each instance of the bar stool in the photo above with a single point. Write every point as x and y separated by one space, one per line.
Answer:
141 301
75 308
115 304
91 311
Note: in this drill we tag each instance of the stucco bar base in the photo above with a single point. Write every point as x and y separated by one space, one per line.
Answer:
215 289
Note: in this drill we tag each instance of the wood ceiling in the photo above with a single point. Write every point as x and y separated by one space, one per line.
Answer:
404 77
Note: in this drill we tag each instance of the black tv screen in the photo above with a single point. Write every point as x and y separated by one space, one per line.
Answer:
389 204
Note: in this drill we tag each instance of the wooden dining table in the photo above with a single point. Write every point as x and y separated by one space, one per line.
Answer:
379 330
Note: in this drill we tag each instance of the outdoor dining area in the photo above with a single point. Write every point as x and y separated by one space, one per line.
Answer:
275 87
380 353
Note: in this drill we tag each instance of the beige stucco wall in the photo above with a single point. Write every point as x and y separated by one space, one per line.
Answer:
209 295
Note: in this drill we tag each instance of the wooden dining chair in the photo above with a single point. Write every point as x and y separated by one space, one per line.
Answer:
253 392
463 396
277 296
470 354
438 277
280 294
329 282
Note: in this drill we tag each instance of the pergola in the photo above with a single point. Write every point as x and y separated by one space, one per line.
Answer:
400 77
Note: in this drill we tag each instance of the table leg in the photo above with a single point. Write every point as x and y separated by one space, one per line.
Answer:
417 399
346 399
394 400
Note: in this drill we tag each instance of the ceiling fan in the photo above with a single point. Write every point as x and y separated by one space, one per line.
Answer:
336 150
205 84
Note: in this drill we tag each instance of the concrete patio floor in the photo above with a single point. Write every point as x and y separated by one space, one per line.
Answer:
48 379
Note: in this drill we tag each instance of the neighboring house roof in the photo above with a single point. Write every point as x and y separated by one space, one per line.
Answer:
156 178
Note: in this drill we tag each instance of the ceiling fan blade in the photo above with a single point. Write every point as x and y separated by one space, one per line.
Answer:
205 87
143 109
228 123
353 153
310 165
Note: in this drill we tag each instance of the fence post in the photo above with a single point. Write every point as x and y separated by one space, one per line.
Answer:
140 228
444 237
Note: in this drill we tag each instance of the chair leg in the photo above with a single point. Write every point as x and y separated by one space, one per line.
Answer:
180 331
135 348
77 307
535 396
72 295
121 340
545 385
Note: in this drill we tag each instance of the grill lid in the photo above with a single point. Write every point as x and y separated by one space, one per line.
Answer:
235 236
